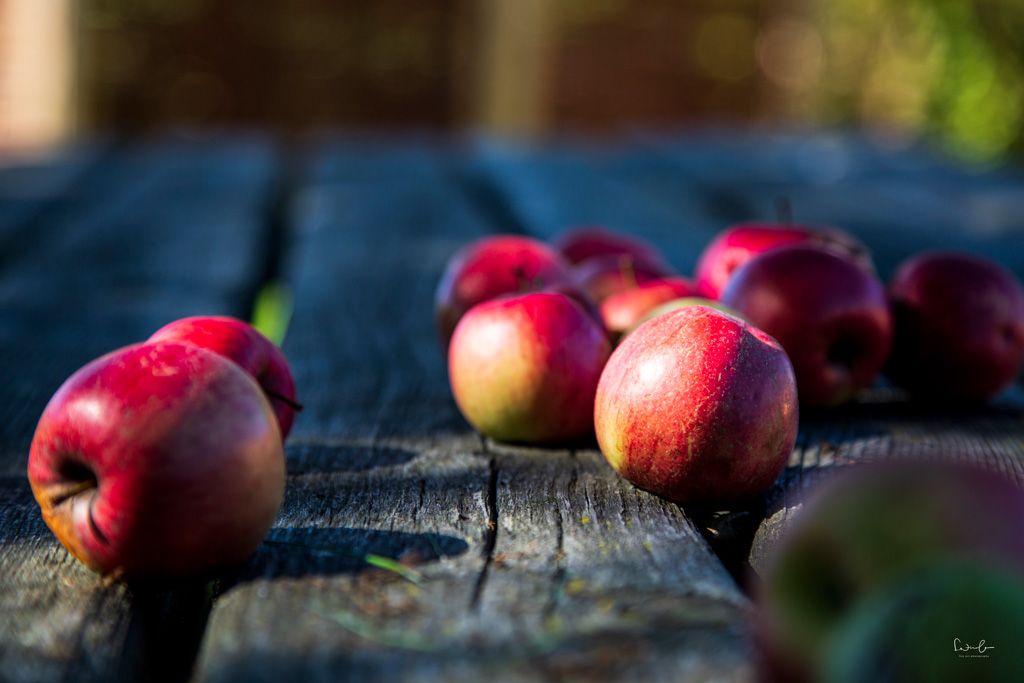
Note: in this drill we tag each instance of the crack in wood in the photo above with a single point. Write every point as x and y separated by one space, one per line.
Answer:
558 577
490 533
419 502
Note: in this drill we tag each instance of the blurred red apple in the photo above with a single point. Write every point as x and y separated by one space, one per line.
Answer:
891 637
602 276
490 267
829 314
525 368
738 244
697 406
160 459
623 310
868 528
958 326
581 244
244 344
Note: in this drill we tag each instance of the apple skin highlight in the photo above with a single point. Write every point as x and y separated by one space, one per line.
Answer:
697 406
158 460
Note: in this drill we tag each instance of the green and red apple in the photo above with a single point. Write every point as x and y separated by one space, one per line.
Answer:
525 368
697 407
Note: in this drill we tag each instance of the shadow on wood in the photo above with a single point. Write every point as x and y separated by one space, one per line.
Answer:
310 551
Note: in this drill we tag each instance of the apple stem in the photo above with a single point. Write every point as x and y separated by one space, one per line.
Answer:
291 403
784 211
628 271
72 490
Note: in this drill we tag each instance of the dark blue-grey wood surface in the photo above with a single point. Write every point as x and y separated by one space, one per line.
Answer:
533 563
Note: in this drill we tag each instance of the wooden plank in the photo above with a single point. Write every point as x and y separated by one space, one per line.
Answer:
155 232
532 563
379 462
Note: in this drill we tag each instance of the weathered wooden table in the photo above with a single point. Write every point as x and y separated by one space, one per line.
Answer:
526 564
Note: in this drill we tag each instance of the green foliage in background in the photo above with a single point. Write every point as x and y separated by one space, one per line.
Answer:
952 69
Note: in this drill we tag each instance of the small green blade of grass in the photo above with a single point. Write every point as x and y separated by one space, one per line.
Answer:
272 311
387 564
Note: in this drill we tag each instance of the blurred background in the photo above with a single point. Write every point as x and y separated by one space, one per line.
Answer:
951 70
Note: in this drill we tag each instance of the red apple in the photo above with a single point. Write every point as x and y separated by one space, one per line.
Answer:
958 326
581 244
490 267
738 244
159 459
623 310
525 368
602 276
697 406
829 314
242 343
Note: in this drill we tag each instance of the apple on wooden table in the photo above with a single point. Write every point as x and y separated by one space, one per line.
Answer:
525 368
158 460
697 407
958 326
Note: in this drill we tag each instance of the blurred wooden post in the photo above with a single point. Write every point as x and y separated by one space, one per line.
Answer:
513 49
36 72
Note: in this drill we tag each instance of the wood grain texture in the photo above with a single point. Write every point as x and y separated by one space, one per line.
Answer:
532 563
151 233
